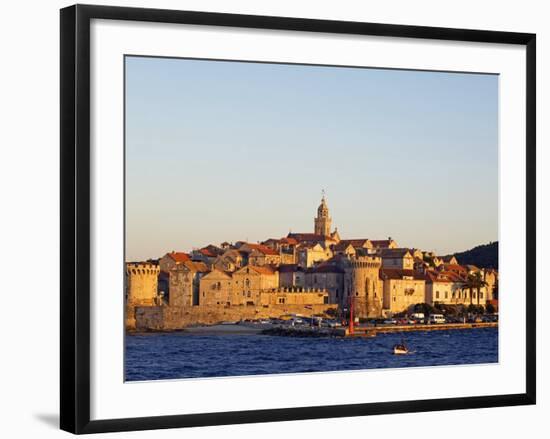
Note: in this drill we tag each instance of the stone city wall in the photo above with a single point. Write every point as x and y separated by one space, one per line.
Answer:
159 318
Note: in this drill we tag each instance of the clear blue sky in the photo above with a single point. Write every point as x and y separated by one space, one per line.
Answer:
225 151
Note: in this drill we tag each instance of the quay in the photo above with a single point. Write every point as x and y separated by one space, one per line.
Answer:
368 331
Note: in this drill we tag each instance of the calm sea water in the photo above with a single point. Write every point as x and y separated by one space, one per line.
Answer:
180 355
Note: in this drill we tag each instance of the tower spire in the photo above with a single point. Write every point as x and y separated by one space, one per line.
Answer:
322 221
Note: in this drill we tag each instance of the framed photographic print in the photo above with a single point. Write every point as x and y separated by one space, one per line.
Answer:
274 218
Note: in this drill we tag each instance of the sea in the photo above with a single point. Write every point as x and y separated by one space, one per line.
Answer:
161 356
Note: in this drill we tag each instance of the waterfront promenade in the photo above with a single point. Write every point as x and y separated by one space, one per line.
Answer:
369 331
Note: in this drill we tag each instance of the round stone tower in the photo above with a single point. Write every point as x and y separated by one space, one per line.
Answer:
363 285
141 288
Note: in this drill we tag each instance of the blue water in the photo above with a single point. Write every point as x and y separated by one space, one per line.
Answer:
180 355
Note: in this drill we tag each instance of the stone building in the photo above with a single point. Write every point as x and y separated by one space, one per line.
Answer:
442 289
250 280
384 243
291 275
343 248
403 288
185 282
170 260
491 277
300 273
206 254
307 254
231 260
328 276
215 288
242 287
449 260
259 254
400 258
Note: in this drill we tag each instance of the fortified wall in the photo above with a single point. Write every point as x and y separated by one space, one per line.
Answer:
166 318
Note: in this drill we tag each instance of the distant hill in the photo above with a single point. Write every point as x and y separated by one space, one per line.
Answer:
482 256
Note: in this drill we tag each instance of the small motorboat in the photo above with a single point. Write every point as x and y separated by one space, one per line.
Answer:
400 349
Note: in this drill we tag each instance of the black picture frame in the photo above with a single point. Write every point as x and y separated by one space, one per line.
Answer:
75 217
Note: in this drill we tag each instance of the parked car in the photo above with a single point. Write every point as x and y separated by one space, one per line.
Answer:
390 322
436 318
418 317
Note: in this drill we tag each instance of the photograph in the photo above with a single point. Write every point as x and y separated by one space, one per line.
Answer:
293 218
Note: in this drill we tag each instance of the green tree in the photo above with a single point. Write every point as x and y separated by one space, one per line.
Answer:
479 283
474 281
424 308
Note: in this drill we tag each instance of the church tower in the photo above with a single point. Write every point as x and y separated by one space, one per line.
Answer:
323 221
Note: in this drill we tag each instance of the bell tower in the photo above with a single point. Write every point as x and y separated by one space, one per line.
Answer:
322 221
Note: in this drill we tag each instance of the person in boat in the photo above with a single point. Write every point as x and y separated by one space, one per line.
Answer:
401 347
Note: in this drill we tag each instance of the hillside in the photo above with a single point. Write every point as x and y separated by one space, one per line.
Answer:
482 256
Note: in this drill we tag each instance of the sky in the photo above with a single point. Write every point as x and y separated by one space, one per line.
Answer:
227 151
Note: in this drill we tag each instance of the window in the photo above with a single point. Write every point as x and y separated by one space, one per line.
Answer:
481 295
281 300
446 294
437 294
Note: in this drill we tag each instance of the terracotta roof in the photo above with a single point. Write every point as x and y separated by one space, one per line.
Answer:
199 267
264 269
309 237
289 241
453 276
263 249
207 252
434 276
218 271
396 273
454 267
179 257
